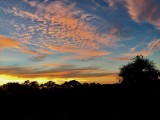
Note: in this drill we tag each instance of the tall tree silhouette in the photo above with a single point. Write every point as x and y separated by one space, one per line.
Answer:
139 71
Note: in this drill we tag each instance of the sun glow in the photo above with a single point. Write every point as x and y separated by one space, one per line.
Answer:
9 78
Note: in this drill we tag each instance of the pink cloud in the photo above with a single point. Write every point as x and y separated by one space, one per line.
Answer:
57 24
144 11
60 21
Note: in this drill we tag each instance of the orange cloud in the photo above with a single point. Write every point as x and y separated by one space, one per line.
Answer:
9 43
60 24
66 25
6 42
55 65
79 53
59 72
121 58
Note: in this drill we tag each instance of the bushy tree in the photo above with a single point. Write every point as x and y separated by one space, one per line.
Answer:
71 84
49 85
139 71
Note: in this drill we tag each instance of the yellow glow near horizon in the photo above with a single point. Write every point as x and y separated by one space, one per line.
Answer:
9 78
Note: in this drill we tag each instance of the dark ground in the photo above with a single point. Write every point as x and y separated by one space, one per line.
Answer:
104 102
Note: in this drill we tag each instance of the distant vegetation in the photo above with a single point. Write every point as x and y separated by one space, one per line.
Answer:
50 85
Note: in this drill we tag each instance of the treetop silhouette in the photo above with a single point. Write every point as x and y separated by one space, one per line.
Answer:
139 71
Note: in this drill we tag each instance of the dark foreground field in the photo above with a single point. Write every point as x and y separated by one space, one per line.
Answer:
100 102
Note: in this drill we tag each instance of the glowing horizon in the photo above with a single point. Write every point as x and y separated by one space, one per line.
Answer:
9 79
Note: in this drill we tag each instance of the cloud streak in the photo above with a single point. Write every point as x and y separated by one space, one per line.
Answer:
151 47
10 43
61 71
77 53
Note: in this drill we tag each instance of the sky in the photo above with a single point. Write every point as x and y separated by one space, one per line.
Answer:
84 40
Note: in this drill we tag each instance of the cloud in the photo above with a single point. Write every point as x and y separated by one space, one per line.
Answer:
154 45
151 47
67 24
77 53
10 43
38 57
25 14
62 23
6 42
123 58
59 72
96 3
113 3
142 11
55 65
60 28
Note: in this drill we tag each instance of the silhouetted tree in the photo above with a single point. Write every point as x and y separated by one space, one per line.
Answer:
26 83
11 86
49 85
138 71
34 84
94 84
71 84
85 84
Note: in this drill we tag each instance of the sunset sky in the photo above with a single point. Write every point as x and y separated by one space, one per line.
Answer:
86 40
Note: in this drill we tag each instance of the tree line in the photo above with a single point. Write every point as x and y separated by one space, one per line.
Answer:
50 85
